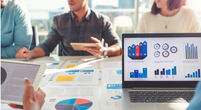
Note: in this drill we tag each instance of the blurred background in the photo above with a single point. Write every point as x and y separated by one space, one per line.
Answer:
124 14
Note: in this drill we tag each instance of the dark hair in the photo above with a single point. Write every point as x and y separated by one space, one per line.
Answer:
172 4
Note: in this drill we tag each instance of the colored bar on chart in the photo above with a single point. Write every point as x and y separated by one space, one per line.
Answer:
133 51
140 75
132 75
137 51
144 49
144 73
168 72
136 73
141 49
174 71
156 72
129 51
163 71
193 74
198 73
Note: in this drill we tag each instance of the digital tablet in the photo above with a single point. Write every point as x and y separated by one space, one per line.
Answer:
12 76
80 46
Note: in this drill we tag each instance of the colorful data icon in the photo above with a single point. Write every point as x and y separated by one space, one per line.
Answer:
165 46
116 97
138 51
74 104
157 54
165 54
157 46
173 49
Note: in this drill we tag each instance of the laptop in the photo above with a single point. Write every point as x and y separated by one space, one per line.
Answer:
12 76
160 71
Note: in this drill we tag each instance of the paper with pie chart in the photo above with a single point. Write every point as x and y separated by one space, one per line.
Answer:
74 104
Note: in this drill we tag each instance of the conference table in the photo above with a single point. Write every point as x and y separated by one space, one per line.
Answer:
81 83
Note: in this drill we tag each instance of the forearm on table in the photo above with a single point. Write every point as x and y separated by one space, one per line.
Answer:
114 50
37 52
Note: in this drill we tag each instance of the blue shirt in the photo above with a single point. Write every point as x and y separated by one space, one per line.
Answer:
195 103
16 31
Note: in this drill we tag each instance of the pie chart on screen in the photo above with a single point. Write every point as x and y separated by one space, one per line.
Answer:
74 104
3 75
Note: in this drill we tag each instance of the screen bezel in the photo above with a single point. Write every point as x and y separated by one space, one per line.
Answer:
156 84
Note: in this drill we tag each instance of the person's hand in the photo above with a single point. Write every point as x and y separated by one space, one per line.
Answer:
32 100
23 53
96 51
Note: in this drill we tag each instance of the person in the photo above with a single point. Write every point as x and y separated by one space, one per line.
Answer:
16 31
169 16
80 24
195 103
32 100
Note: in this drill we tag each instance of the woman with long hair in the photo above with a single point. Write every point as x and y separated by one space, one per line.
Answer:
169 16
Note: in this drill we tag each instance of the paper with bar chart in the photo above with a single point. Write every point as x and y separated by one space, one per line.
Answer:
162 59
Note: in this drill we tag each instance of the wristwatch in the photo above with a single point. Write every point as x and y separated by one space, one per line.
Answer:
105 52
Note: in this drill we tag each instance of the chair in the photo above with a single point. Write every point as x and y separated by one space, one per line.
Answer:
35 40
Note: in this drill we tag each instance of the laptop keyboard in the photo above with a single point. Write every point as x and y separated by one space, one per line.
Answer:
160 96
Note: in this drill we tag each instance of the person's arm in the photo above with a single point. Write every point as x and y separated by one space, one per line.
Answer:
195 103
32 100
43 49
110 37
99 50
25 53
22 32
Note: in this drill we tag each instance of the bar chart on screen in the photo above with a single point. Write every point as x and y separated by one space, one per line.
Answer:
191 51
137 74
138 51
166 73
195 74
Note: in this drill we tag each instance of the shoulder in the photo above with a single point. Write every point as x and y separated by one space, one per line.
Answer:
147 16
63 16
17 10
15 5
62 19
100 17
187 11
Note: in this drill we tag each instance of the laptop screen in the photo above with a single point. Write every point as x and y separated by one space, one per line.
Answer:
151 57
